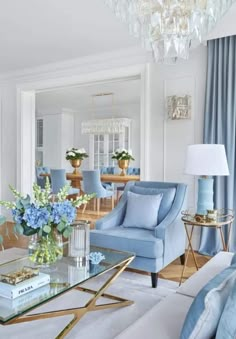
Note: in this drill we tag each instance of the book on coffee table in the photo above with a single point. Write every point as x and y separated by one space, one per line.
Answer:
13 291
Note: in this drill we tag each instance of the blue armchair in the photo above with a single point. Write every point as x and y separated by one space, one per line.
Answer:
154 248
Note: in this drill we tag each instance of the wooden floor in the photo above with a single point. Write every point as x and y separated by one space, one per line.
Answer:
171 272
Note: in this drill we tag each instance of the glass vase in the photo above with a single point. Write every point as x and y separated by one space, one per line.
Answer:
79 242
46 250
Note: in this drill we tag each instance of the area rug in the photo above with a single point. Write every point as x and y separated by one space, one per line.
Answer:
103 324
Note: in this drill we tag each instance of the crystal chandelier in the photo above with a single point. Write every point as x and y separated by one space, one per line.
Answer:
169 28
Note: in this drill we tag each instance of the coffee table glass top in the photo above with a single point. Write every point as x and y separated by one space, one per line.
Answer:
64 275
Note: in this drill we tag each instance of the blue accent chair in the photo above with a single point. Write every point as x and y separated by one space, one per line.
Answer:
58 180
155 248
92 184
41 170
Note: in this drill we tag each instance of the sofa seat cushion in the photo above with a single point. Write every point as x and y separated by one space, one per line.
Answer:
163 321
167 199
140 241
198 280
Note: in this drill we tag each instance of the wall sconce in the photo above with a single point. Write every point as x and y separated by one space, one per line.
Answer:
179 107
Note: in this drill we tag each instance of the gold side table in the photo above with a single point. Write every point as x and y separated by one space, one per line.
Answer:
224 217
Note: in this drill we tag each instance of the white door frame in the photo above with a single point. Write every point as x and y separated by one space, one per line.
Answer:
0 145
26 116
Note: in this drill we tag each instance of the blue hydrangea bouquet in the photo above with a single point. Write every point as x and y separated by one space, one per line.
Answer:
45 219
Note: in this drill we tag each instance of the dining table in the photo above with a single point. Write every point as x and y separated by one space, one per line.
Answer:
114 178
76 178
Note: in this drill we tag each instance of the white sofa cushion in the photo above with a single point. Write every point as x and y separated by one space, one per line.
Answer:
163 321
197 281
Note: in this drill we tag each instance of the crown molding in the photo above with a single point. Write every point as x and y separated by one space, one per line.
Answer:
92 63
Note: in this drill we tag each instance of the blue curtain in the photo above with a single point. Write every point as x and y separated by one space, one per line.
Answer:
220 128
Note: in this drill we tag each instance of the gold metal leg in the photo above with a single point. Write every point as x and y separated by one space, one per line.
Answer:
225 245
189 237
222 238
79 312
229 232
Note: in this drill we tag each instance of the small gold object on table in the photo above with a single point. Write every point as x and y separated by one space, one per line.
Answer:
20 275
214 219
123 165
76 163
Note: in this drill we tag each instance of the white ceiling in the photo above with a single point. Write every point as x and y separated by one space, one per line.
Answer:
36 32
81 98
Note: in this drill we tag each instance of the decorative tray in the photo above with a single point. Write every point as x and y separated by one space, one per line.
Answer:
14 278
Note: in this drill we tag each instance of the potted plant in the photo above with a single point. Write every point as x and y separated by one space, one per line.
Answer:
123 158
76 155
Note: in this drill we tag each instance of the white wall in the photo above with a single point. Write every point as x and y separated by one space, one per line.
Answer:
169 138
8 139
52 123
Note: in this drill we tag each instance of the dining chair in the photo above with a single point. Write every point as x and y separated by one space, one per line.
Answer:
108 170
92 184
58 180
41 181
130 171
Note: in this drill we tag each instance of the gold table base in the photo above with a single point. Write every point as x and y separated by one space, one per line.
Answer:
190 247
79 312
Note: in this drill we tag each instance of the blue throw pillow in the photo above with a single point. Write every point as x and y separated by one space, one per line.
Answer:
227 324
204 314
142 210
166 202
233 261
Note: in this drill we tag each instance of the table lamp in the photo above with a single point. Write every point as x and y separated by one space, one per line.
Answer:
206 160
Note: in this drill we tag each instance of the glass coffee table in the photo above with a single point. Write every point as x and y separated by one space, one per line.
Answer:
65 275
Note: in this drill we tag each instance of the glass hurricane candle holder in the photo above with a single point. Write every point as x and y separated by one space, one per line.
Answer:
79 242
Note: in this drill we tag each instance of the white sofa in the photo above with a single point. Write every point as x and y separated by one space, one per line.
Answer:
165 320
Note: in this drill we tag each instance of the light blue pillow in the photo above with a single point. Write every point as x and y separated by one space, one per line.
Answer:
204 314
233 261
166 202
227 324
142 210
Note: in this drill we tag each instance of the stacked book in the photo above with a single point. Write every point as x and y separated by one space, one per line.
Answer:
18 283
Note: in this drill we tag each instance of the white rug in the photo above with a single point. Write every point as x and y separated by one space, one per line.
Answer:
104 324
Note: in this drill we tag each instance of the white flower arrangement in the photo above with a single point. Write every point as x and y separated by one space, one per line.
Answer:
76 153
122 154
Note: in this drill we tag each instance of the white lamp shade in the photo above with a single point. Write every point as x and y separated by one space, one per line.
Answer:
206 159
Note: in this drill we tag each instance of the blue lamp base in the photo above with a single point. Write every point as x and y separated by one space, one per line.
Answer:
205 195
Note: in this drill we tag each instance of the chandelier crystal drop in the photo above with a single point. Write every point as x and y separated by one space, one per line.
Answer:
169 28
